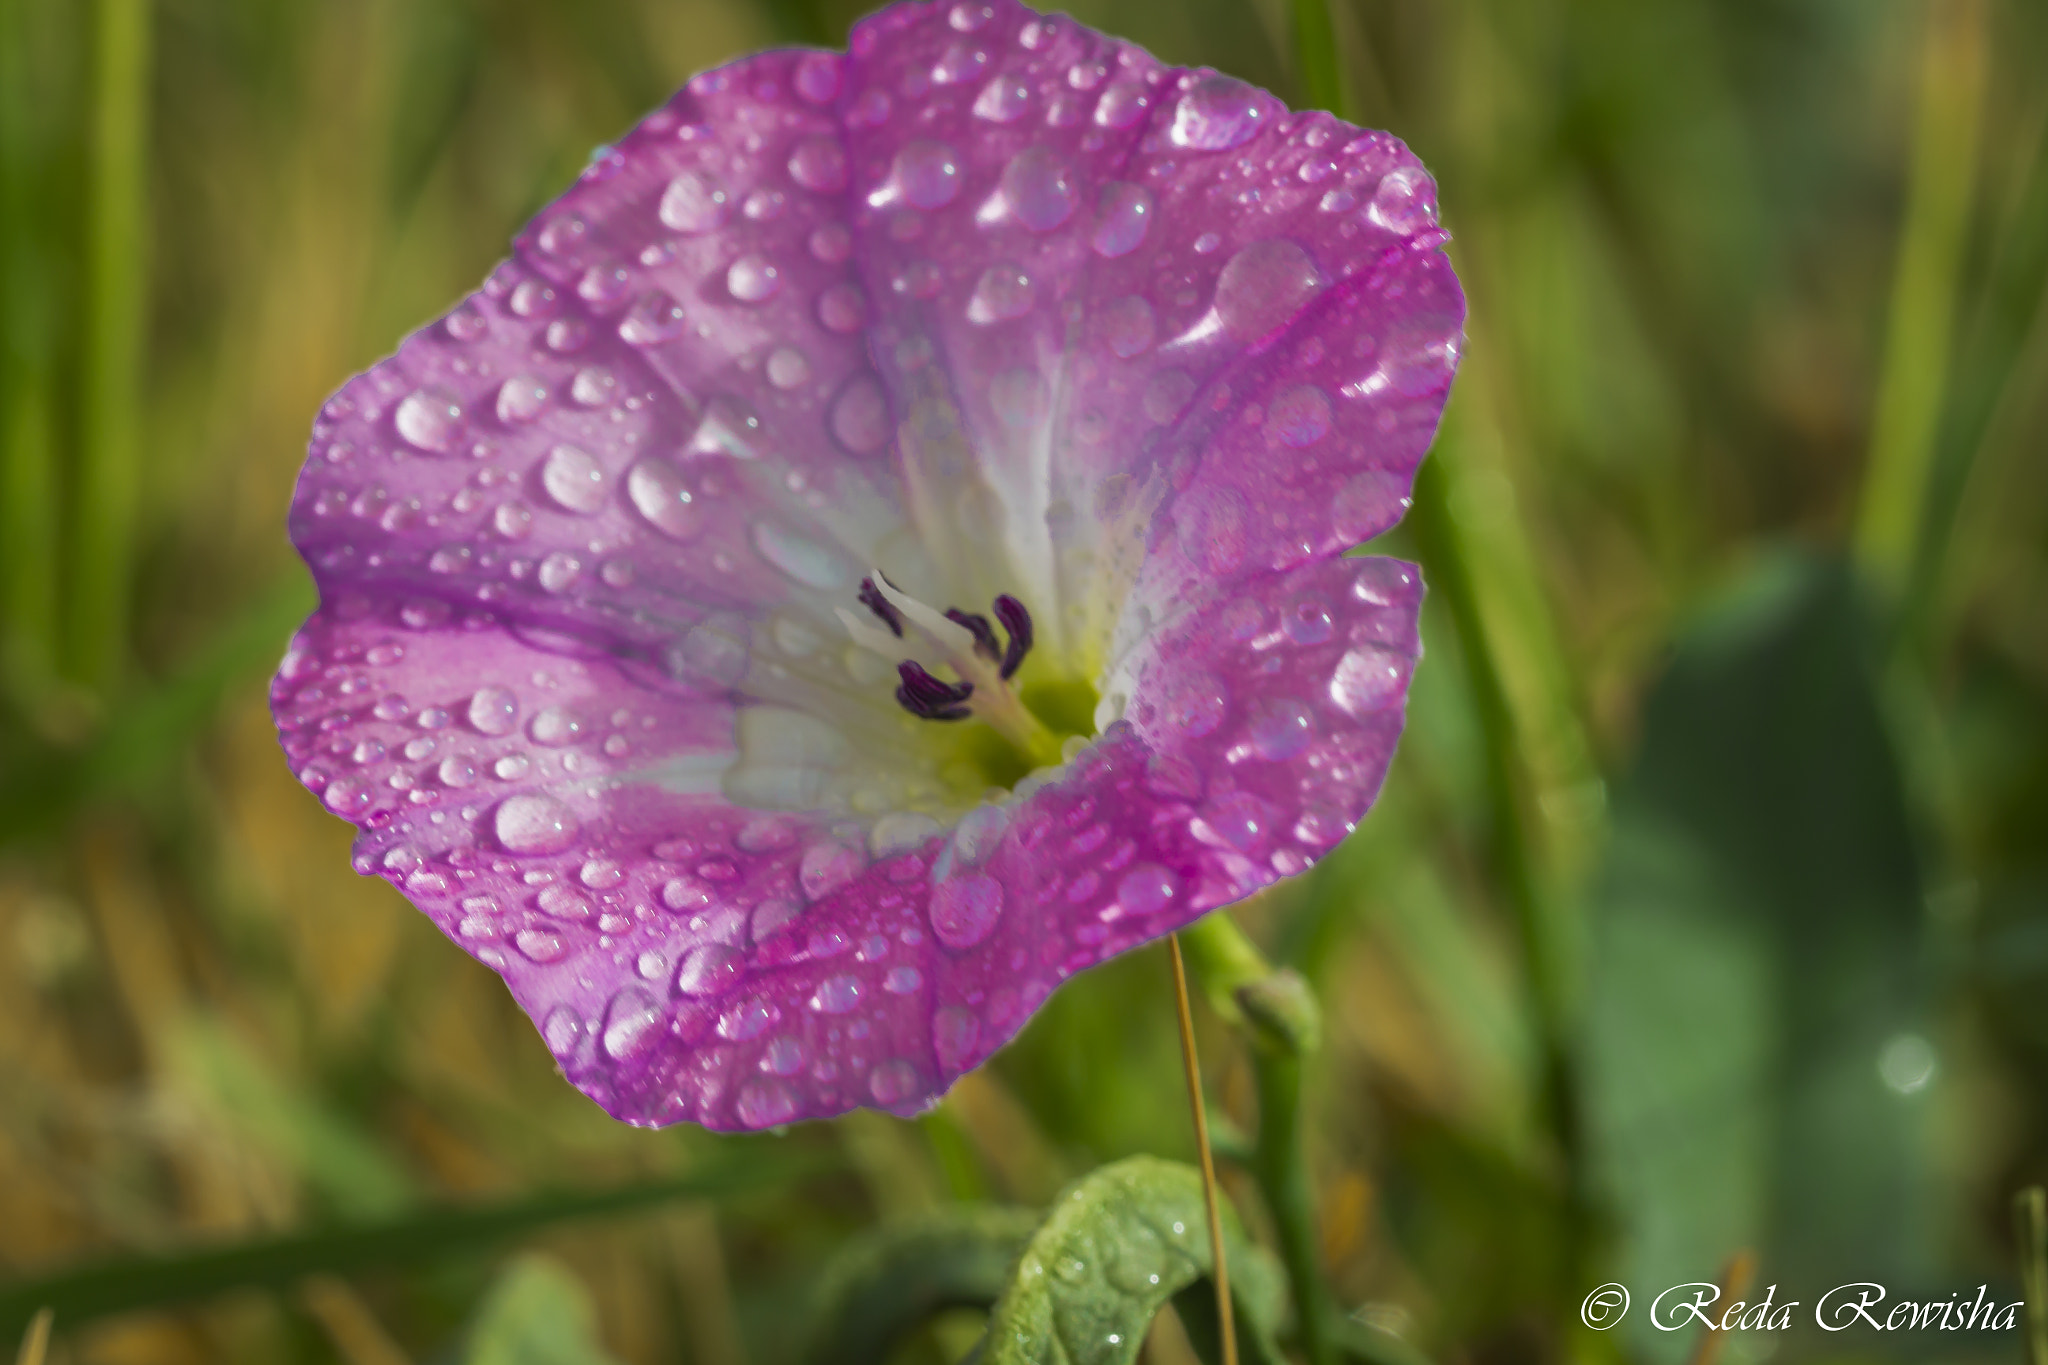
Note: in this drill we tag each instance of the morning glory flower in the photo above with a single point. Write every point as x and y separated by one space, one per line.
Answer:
876 550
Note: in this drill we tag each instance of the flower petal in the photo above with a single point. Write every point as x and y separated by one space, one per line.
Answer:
687 959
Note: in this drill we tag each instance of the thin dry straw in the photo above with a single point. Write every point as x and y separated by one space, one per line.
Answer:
1194 1069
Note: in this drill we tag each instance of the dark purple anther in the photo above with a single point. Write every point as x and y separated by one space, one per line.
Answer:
984 634
929 698
1017 621
871 598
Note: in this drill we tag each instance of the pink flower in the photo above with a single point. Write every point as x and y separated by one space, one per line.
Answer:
875 551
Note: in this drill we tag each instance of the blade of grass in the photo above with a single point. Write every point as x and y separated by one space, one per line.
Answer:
116 319
28 481
129 1283
1941 191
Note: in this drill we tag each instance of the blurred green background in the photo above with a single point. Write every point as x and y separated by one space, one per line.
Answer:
1706 908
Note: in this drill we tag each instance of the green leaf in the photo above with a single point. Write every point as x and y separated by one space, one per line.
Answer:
886 1282
1758 991
536 1313
126 1283
1117 1244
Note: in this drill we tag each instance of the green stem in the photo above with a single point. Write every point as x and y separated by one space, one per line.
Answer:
115 317
1924 287
2030 1219
1320 69
1540 929
28 478
1278 1013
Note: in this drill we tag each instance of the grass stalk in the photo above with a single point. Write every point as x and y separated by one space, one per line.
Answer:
115 322
1226 1331
1941 189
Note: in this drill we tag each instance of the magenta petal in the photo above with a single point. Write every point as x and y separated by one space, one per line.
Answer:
1000 307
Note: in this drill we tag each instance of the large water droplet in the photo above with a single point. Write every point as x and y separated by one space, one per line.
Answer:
1039 189
563 1031
655 317
753 279
658 489
836 994
632 1024
954 1032
827 866
494 710
1369 678
727 427
558 571
1003 100
764 1102
1147 889
1299 417
713 653
842 308
894 1082
927 174
817 76
1369 503
574 479
535 823
1264 285
430 419
1193 704
708 969
555 726
695 202
1123 213
787 367
1216 113
1003 292
1281 729
1404 202
521 399
964 909
818 163
784 1056
593 386
860 415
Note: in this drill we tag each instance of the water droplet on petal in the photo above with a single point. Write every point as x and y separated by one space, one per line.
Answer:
1147 889
493 710
1281 729
894 1082
902 980
574 479
513 520
831 242
818 163
764 1102
842 308
1215 114
1369 678
860 415
1123 212
695 202
927 174
562 1030
430 419
784 1056
540 945
709 969
1298 417
521 399
1003 100
964 909
1264 285
1404 203
1039 189
817 76
593 386
659 491
954 1032
836 994
753 279
727 427
1002 292
655 317
558 571
1193 704
961 61
555 726
1019 398
632 1024
534 823
787 368
1122 105
1368 503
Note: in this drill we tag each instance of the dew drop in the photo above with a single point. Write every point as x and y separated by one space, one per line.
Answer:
964 909
1040 191
1404 203
655 317
1264 285
430 419
1367 504
727 427
521 399
555 726
928 174
1369 678
708 969
1128 326
558 571
902 980
1123 213
593 386
1281 729
456 772
1215 114
1298 417
787 368
1003 292
659 491
764 1102
842 308
817 77
540 945
1147 889
632 1024
753 279
1003 100
1192 704
831 242
574 479
836 994
513 520
818 163
893 1083
534 823
695 202
784 1056
562 1030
